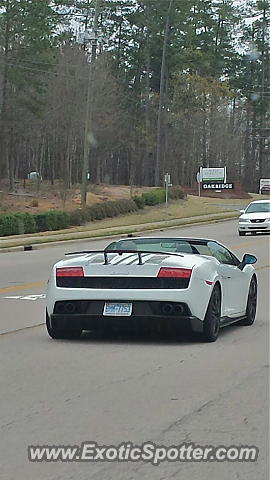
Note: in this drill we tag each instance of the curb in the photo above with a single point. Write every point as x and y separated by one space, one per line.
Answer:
39 246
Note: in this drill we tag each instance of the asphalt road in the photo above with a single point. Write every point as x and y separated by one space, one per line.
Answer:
111 390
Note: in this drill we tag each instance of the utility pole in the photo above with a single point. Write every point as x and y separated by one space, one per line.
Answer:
263 110
162 95
89 108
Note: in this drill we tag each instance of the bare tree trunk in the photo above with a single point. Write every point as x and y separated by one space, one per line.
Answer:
4 99
162 97
89 114
262 122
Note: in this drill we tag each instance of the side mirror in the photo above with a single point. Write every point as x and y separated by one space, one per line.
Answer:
248 259
242 211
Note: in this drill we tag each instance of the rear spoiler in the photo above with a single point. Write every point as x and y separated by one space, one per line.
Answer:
120 252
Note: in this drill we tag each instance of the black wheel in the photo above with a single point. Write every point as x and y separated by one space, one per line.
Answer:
64 333
251 304
241 234
211 323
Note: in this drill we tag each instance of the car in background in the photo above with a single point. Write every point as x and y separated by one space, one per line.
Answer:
152 284
255 218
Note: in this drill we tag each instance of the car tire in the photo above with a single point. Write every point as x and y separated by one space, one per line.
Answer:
211 323
241 234
251 304
62 333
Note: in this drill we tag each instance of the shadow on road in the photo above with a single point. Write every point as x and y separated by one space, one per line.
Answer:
143 338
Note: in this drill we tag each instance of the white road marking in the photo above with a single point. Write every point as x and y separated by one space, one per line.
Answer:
14 297
26 297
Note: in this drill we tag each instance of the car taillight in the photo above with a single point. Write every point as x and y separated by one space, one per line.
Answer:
174 272
69 272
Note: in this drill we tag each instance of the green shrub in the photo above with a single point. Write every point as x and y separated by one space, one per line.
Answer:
176 193
154 197
111 209
78 217
17 223
25 223
101 211
8 225
41 221
140 202
57 220
52 220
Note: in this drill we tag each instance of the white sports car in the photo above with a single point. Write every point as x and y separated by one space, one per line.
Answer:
152 284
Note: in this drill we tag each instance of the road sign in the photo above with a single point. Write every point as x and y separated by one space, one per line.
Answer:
214 174
167 179
264 185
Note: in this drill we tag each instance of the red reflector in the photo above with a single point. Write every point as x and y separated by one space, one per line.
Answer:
175 272
209 282
69 272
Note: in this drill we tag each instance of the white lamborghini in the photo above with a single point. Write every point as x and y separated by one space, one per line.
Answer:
150 284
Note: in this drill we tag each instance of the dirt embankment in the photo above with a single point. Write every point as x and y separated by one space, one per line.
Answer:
34 199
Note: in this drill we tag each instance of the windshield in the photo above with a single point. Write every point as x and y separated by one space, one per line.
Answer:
177 245
258 207
173 245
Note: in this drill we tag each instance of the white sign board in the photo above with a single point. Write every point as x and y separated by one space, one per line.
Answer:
167 178
213 174
265 184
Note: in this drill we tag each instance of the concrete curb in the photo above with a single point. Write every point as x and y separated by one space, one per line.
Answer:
39 246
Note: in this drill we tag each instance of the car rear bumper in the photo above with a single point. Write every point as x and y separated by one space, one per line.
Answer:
146 316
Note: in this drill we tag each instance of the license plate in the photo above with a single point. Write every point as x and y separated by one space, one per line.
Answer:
118 309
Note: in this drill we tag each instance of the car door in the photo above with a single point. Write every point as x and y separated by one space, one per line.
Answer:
234 280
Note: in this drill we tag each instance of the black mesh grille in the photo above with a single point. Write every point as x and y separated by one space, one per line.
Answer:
122 282
257 220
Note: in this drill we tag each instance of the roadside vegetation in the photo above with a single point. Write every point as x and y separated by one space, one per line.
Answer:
21 223
174 85
185 211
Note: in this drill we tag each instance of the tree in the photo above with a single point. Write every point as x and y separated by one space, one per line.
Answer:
26 44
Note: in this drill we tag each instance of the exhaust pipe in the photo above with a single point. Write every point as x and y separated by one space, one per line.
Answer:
70 307
179 309
167 308
60 308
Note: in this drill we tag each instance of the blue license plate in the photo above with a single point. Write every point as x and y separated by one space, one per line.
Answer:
118 309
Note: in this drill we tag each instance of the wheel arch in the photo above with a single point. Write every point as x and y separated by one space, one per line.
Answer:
218 284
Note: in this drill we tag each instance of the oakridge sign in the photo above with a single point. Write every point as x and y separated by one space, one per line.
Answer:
217 186
213 179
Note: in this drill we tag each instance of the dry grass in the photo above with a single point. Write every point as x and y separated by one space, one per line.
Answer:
51 197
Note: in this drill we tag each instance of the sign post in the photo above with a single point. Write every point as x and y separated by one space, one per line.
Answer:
199 179
167 181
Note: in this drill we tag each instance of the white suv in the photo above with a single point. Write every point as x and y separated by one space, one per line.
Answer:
255 218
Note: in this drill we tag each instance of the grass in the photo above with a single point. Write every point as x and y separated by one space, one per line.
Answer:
115 231
149 218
